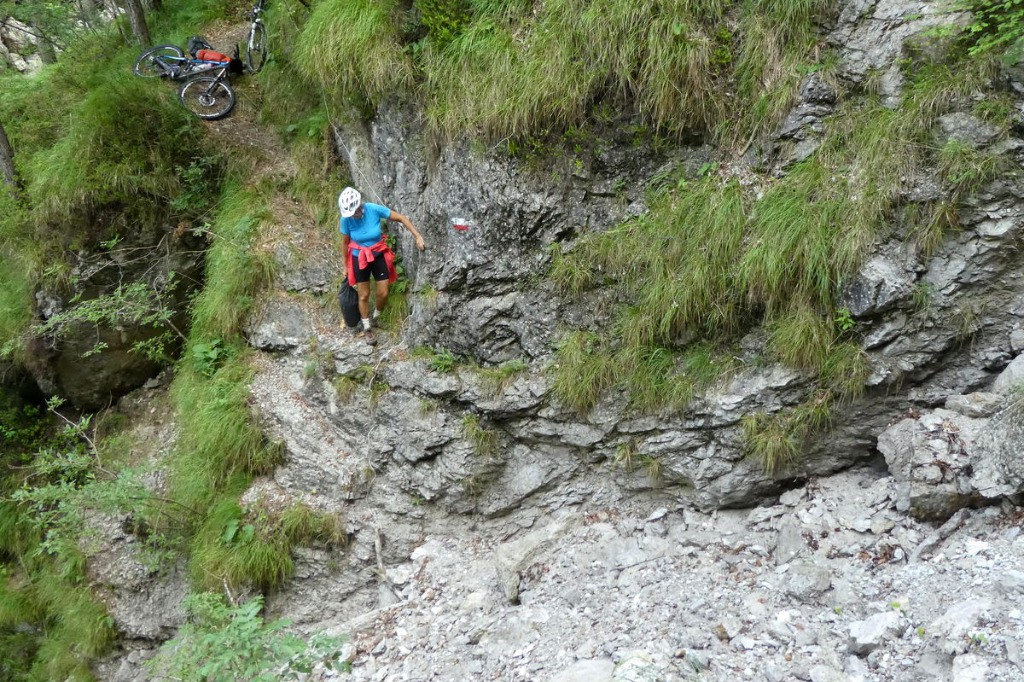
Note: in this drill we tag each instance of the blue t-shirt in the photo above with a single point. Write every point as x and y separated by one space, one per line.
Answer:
366 230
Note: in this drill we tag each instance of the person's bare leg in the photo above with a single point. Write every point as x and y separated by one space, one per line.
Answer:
382 295
363 289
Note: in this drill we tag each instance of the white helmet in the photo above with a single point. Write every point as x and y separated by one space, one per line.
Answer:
348 202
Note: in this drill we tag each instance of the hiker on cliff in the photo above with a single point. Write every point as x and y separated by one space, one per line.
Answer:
366 253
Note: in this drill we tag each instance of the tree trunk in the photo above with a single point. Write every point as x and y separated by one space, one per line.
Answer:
7 171
138 20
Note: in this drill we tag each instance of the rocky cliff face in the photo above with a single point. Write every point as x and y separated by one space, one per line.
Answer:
151 275
498 534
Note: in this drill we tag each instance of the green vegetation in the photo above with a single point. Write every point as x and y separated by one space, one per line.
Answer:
440 360
582 372
709 261
777 440
499 378
235 270
487 462
124 144
303 525
102 156
230 550
484 440
996 26
134 304
352 46
397 311
224 642
627 458
105 157
965 169
56 482
512 69
218 447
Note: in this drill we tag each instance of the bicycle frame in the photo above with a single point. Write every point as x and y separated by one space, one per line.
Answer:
255 18
220 76
183 68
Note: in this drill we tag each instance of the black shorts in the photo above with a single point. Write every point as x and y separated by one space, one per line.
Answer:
378 267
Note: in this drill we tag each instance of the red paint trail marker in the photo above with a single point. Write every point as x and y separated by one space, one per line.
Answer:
460 224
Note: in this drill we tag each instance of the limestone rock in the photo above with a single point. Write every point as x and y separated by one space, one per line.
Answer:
144 600
929 459
975 405
968 129
94 364
869 634
587 670
970 668
1011 378
636 666
879 285
511 558
807 582
279 324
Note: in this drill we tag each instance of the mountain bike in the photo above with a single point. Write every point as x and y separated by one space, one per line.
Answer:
256 46
206 91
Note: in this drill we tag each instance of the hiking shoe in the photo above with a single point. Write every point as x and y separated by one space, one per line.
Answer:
367 336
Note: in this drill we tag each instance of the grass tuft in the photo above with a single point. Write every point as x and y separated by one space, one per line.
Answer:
351 47
235 270
570 275
773 440
226 549
777 440
583 371
218 446
845 371
802 337
966 169
125 144
498 378
303 525
514 69
484 440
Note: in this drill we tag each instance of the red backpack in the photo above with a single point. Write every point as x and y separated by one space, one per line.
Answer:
212 56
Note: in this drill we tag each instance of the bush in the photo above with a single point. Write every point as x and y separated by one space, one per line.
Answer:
443 19
222 642
996 25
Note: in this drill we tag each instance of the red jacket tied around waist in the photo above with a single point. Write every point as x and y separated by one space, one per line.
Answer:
366 256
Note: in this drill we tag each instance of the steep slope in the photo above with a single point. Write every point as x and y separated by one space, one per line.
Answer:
537 465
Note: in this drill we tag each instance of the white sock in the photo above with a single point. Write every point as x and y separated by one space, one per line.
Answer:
376 313
366 323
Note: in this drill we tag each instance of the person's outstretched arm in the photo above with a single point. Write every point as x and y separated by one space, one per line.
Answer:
398 217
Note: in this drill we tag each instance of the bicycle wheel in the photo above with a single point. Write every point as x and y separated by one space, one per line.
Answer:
256 48
158 61
207 97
